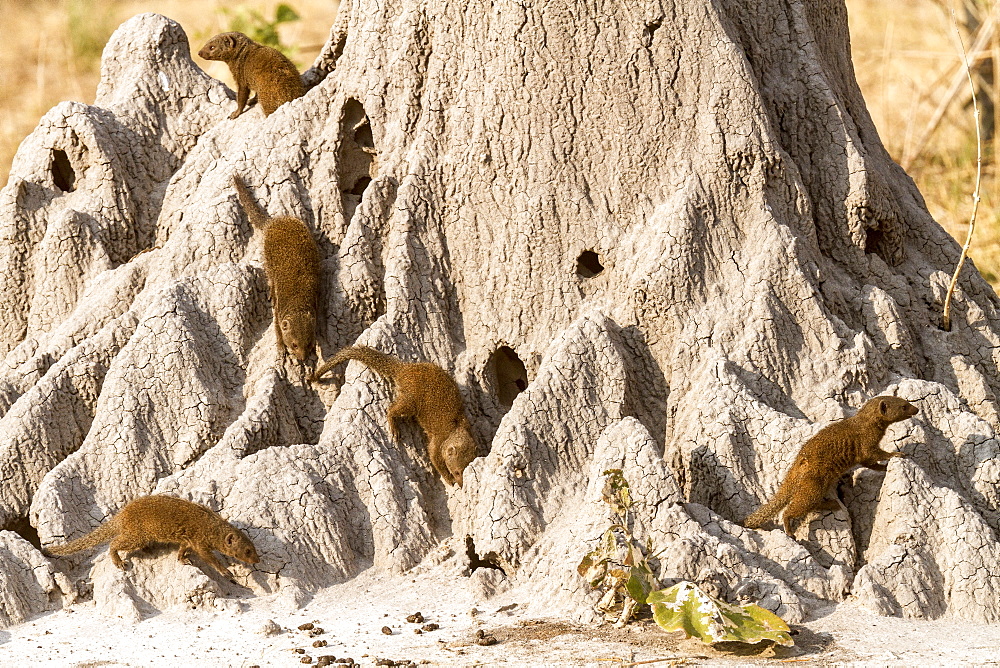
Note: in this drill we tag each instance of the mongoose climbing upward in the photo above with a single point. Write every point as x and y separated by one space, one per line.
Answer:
834 450
255 66
427 392
167 519
291 262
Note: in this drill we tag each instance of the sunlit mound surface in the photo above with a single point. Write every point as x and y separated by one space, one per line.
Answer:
671 245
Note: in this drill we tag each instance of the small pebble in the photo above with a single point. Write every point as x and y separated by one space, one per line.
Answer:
430 627
417 631
306 659
326 660
487 641
312 633
306 626
415 618
270 628
319 643
299 650
386 630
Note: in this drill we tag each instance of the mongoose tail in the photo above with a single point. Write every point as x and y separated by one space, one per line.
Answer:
384 365
258 217
101 534
770 509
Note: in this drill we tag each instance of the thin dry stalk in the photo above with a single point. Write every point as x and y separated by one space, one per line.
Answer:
979 176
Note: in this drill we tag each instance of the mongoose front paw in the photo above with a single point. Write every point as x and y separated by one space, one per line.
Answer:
234 115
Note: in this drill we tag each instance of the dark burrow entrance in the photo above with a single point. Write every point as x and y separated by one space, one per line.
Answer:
589 264
509 374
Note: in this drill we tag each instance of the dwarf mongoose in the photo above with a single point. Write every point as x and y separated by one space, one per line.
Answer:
291 262
255 66
167 519
834 450
427 392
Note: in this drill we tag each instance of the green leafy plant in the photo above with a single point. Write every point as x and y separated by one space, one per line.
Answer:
89 30
685 607
620 564
252 23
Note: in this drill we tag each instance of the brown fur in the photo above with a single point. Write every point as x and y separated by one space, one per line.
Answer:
167 519
291 262
426 392
258 67
828 455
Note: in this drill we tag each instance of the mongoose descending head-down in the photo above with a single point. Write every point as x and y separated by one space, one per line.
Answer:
426 392
291 262
167 519
833 451
255 66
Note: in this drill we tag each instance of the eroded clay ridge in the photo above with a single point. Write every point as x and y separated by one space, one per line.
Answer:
662 239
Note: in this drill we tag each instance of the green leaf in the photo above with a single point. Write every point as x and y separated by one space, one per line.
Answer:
284 13
685 607
641 582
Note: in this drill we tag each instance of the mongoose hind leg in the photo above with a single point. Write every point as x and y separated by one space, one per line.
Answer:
786 521
830 504
126 544
807 497
184 554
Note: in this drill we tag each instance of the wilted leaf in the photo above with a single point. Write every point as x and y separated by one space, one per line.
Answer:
593 568
616 493
685 607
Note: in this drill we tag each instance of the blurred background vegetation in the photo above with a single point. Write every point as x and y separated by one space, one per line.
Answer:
905 56
908 63
51 49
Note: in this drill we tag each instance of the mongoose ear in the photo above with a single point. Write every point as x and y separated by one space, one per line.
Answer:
230 41
230 538
883 407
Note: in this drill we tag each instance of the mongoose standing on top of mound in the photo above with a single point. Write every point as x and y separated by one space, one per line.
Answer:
832 452
255 66
291 262
167 519
427 392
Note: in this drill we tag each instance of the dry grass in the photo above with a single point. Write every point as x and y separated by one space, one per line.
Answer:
905 57
51 48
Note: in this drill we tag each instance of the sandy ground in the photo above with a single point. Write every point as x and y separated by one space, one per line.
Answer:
351 616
